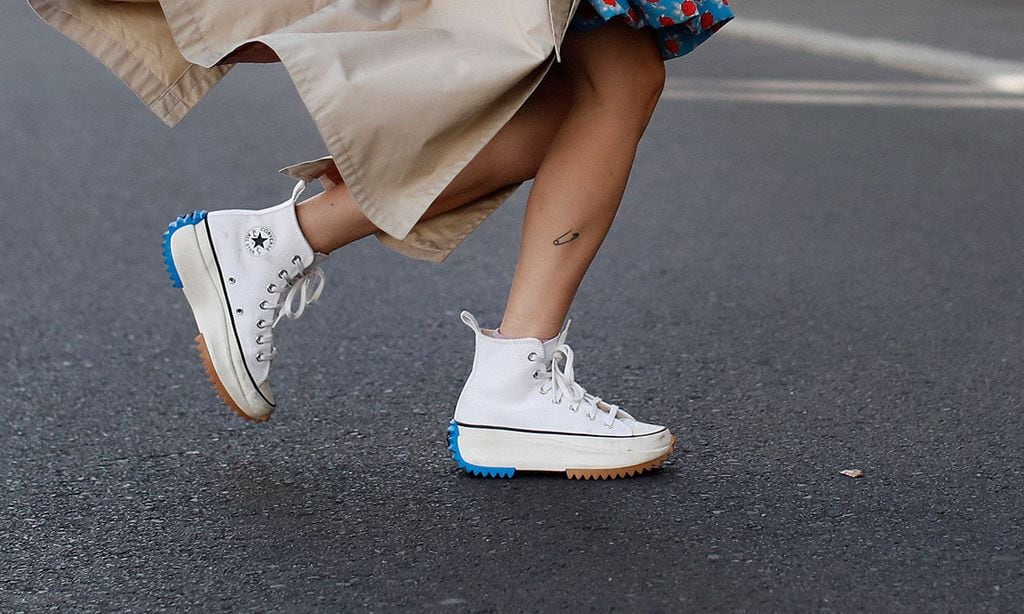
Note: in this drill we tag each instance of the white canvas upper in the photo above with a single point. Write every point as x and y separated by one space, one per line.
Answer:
243 271
263 259
525 384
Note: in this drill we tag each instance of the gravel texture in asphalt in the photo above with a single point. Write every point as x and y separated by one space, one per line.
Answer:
795 290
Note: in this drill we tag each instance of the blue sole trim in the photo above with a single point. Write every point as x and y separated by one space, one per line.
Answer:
190 219
477 470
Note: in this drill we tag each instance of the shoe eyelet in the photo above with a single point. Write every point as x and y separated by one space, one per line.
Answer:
296 260
231 280
272 288
283 274
263 304
239 311
532 356
259 356
591 418
609 426
261 324
542 390
536 375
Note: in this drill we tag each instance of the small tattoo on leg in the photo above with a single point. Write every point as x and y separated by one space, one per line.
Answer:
562 240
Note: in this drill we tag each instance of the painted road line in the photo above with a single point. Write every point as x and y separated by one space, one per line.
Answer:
847 99
896 87
995 74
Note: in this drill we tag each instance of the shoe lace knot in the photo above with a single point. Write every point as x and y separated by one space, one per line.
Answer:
560 380
295 290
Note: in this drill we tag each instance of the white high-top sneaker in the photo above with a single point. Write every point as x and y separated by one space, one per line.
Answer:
521 409
242 271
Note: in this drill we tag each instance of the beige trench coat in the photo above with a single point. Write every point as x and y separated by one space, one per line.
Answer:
404 92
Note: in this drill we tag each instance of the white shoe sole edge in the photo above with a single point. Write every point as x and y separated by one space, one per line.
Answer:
498 452
197 269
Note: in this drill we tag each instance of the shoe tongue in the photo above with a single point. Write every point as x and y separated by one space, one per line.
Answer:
551 344
549 347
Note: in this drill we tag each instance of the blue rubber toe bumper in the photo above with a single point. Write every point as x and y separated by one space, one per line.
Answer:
183 220
487 472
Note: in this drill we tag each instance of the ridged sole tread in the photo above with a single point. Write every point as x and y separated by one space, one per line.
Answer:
484 472
621 472
190 219
573 474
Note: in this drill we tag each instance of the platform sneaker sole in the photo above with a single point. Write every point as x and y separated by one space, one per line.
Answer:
497 452
192 265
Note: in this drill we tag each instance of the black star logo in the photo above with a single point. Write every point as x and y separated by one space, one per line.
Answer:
259 240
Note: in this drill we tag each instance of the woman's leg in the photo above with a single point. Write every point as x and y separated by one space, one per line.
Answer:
331 219
617 75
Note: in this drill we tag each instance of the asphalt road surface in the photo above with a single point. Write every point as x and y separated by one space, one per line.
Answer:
797 284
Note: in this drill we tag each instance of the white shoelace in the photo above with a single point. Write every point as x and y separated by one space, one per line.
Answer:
563 384
297 291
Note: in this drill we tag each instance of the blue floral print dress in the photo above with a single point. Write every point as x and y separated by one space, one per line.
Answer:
679 25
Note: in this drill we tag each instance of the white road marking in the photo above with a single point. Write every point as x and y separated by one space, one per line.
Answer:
899 87
846 99
937 95
997 75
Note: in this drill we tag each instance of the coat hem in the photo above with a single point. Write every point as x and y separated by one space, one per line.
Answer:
170 102
397 227
171 85
429 240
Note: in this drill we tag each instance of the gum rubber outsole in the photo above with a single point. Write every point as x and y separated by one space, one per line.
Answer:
573 474
621 472
190 219
222 392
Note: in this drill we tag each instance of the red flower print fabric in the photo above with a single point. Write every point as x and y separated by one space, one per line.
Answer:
679 25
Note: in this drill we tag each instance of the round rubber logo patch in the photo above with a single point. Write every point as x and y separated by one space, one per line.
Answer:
259 240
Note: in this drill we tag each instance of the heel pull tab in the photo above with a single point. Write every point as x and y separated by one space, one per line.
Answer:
560 339
300 187
470 321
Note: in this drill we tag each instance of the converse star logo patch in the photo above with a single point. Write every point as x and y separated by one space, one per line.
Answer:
259 240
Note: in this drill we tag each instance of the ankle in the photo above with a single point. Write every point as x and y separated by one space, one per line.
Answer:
501 335
331 220
532 330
